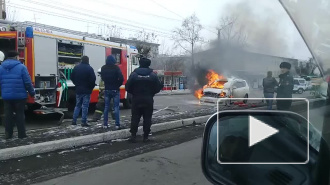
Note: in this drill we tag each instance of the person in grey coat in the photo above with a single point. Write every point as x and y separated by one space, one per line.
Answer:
269 83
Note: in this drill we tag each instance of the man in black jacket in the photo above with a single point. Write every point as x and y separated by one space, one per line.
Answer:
113 79
285 88
143 84
269 83
83 77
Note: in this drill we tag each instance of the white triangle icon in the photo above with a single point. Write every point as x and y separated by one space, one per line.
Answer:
259 131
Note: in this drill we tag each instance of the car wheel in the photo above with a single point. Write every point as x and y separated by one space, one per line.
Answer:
300 91
245 98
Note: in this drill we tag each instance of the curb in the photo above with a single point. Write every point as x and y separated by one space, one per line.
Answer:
38 148
169 94
33 149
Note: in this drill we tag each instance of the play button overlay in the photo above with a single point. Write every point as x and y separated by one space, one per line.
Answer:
259 131
261 137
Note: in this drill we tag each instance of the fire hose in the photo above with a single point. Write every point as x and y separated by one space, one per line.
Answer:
65 88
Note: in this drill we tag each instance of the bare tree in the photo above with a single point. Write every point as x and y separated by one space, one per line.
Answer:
188 35
113 31
145 39
231 32
305 68
169 63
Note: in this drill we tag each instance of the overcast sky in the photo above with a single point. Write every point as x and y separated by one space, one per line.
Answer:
265 21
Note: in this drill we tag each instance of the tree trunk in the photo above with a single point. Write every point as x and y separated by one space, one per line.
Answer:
192 55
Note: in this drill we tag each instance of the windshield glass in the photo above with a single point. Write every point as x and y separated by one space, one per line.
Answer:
311 17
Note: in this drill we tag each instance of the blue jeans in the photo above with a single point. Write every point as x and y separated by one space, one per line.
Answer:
82 102
108 95
269 102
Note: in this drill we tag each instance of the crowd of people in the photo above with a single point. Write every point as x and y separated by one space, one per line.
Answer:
142 86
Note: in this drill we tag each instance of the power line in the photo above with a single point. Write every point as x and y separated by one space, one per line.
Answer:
75 18
163 34
166 8
83 20
180 15
93 16
138 11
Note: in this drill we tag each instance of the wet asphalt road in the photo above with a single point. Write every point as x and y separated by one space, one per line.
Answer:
178 164
171 165
175 165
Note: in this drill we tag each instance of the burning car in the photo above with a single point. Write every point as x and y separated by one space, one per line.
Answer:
231 88
221 87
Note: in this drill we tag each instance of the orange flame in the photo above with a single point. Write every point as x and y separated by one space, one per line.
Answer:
212 78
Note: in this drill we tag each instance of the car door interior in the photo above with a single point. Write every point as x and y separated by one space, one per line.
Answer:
243 174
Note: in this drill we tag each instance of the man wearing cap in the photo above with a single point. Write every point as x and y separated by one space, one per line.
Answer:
285 88
83 77
143 84
15 82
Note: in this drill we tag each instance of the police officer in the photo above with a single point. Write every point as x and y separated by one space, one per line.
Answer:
285 88
142 84
100 103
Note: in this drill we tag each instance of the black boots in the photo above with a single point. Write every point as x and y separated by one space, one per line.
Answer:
8 136
145 138
132 139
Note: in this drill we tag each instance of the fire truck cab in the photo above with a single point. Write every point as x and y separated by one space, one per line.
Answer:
50 54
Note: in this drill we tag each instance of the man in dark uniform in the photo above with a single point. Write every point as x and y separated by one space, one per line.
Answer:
143 84
285 88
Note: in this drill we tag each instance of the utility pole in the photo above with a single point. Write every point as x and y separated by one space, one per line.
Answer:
1 8
88 27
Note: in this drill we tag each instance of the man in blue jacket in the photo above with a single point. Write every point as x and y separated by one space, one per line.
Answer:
113 79
83 77
15 82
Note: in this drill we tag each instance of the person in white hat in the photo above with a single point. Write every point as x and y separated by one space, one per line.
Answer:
2 56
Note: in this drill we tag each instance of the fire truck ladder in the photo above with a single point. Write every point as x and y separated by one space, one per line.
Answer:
21 42
63 30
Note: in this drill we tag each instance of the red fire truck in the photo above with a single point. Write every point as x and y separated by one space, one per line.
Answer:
50 53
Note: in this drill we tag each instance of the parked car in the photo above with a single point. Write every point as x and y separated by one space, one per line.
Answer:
300 85
226 88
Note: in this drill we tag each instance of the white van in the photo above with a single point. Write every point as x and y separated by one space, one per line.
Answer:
300 85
